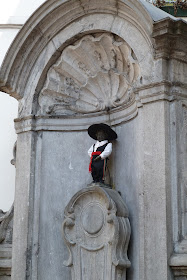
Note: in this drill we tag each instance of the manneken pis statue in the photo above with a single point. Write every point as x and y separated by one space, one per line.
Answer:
101 150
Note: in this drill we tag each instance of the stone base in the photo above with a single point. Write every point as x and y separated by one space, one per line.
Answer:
98 184
5 262
178 264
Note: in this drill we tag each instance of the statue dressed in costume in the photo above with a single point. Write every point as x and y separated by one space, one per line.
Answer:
101 150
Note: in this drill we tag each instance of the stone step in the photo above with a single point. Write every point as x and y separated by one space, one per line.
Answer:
5 260
5 252
5 264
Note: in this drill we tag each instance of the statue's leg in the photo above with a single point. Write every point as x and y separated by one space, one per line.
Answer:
100 171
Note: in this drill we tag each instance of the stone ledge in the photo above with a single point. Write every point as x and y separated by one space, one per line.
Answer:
5 265
163 91
5 261
11 26
5 253
167 31
178 263
73 123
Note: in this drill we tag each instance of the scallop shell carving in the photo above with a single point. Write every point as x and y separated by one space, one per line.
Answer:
97 73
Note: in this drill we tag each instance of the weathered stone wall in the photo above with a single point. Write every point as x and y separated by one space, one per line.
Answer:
90 62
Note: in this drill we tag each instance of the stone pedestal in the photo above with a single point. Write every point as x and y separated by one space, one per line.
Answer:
96 230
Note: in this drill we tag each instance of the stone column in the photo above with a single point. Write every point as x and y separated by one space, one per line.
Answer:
24 205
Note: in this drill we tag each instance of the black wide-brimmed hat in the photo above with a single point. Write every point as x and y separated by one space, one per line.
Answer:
94 128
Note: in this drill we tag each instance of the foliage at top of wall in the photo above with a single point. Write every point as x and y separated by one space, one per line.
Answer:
176 8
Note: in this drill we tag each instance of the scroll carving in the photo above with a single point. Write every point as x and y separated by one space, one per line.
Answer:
6 225
13 161
6 218
96 231
97 73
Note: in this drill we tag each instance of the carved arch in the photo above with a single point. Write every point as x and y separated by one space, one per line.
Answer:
44 36
58 24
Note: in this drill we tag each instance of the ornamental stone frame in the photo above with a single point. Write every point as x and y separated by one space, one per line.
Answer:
96 230
146 54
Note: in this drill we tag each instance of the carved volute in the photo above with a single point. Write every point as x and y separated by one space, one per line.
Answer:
6 225
96 230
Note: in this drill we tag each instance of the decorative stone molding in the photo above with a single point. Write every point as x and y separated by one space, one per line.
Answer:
96 231
178 263
181 177
170 39
13 161
183 167
11 26
96 73
143 95
73 123
6 226
5 262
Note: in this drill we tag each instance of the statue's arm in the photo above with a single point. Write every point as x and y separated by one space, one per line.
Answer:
107 151
90 151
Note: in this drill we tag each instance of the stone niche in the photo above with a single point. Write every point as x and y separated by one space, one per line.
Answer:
120 62
95 74
96 230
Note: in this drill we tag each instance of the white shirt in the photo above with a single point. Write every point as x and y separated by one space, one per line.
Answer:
107 151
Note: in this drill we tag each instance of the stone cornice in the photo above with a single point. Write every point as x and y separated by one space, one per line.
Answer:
169 26
5 260
170 39
11 26
163 91
178 263
74 123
